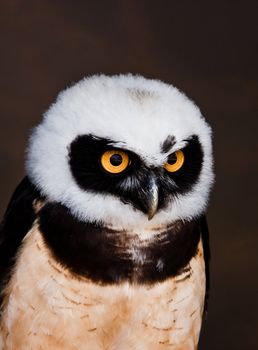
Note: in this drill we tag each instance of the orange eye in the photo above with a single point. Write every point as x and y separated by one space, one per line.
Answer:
114 161
175 161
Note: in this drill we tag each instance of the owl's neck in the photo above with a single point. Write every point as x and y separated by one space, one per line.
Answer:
106 255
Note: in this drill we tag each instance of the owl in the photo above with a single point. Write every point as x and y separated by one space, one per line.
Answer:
104 244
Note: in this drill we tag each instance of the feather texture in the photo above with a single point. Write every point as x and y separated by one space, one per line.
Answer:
45 306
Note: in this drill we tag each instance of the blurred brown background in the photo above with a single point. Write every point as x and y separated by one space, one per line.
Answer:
209 49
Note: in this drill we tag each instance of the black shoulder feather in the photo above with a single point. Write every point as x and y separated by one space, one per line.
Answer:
206 252
16 222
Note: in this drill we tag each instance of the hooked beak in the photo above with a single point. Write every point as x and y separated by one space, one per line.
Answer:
152 198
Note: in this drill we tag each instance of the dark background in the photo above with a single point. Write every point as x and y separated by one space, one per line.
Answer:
209 49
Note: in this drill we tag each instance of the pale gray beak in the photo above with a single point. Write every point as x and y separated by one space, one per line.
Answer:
152 199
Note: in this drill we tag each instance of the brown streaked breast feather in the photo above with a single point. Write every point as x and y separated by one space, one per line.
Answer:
47 306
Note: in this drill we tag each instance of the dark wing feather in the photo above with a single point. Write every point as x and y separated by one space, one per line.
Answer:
206 251
16 222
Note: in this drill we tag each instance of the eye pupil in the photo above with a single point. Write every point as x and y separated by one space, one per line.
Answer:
116 159
172 159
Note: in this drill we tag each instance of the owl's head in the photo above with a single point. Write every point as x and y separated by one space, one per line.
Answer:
124 151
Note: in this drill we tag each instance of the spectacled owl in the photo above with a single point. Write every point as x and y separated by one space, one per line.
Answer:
104 244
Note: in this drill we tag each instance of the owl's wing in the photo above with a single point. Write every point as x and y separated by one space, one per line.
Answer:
16 222
206 251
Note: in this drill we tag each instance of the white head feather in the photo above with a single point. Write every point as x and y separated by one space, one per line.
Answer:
138 112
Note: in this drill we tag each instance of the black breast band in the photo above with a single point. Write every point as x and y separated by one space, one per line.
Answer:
107 256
